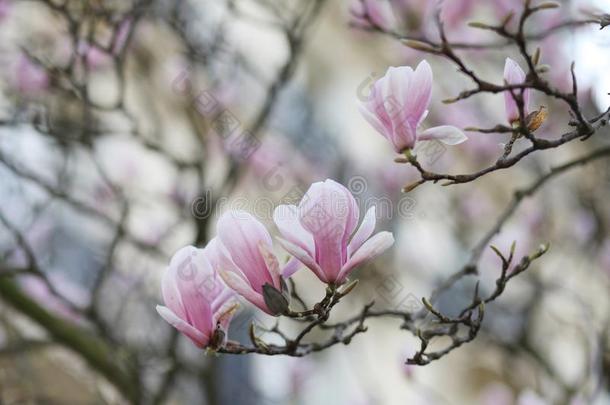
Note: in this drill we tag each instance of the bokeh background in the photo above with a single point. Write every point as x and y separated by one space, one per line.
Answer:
127 127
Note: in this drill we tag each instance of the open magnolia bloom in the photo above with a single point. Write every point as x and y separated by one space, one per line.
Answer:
321 232
513 74
242 253
197 302
398 104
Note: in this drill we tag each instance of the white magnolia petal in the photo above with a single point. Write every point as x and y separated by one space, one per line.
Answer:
447 134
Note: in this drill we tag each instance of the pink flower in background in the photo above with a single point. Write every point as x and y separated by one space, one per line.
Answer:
504 7
372 13
29 77
513 74
243 255
121 36
529 397
276 160
65 287
320 232
454 13
197 303
399 103
95 57
604 256
5 9
497 394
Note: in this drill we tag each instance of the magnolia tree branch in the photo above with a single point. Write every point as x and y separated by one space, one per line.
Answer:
440 325
429 44
527 123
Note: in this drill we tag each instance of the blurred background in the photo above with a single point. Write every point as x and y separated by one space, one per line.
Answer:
127 127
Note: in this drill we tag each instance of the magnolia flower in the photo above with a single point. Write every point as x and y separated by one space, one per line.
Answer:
529 397
377 13
399 103
453 13
121 36
5 8
496 394
30 77
242 253
36 288
94 56
513 74
320 232
197 303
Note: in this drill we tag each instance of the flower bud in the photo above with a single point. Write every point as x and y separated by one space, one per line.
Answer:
536 119
419 46
275 300
218 338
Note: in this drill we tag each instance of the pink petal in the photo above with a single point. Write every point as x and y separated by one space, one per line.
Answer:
380 12
219 258
375 122
241 234
121 36
214 252
419 93
377 105
286 218
447 134
225 314
395 86
199 339
272 264
170 293
304 258
364 232
404 136
227 297
241 287
192 273
369 250
330 213
5 8
31 77
513 74
292 266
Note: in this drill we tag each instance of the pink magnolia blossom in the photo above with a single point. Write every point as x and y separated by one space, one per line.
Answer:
30 78
372 13
399 103
496 394
320 232
121 36
197 303
529 397
513 74
244 258
455 13
95 57
5 9
65 287
604 256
